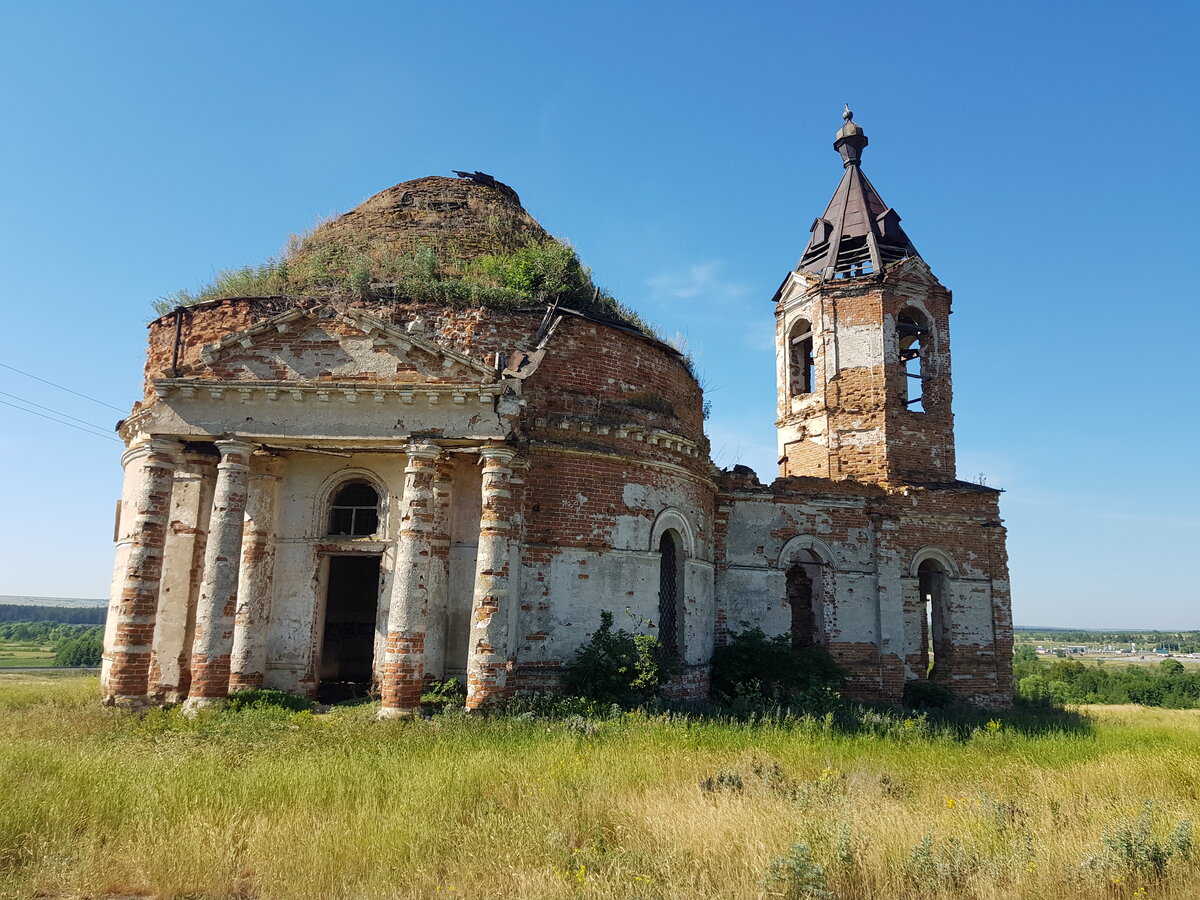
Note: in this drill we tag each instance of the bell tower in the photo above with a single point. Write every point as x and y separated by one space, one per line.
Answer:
862 345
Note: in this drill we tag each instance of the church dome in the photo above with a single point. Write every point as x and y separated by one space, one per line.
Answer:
462 218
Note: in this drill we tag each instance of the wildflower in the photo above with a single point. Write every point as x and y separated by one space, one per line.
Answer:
951 803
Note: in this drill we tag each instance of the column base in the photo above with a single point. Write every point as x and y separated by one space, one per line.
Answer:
193 705
392 712
131 702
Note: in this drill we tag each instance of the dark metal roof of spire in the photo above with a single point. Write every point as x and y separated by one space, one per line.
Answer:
859 234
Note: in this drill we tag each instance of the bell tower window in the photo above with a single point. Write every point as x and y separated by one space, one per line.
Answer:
800 349
912 335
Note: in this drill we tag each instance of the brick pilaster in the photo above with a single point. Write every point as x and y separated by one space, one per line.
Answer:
256 577
439 571
488 661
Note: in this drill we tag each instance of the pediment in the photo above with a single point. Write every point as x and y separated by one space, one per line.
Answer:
327 344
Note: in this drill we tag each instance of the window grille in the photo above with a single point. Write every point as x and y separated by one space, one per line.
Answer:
668 596
355 511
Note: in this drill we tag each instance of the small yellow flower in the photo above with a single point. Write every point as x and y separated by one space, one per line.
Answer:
951 803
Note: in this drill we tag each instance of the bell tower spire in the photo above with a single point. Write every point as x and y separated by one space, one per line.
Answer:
863 344
858 233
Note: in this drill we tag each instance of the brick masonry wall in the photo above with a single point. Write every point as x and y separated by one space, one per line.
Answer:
855 423
872 610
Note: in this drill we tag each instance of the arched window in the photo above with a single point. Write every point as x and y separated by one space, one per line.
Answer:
800 349
354 511
912 334
670 593
804 593
931 580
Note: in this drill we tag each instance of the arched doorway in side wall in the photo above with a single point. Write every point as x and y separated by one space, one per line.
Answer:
670 593
931 585
805 597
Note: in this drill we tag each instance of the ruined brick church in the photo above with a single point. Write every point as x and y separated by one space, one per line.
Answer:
346 494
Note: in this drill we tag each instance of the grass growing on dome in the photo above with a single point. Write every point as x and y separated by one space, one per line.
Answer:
511 275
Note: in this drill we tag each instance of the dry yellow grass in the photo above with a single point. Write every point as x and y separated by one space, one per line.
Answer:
97 803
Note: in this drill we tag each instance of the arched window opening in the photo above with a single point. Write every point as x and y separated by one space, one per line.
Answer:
931 581
804 584
800 347
670 594
355 511
913 335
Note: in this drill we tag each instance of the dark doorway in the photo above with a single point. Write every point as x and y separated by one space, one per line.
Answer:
670 595
348 649
800 599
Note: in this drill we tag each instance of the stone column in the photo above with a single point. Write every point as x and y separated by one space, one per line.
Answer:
439 572
149 473
488 660
191 500
256 577
408 610
213 644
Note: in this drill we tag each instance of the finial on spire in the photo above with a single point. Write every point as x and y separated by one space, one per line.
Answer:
850 139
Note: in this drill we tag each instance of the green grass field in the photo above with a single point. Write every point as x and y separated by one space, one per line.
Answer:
25 655
265 804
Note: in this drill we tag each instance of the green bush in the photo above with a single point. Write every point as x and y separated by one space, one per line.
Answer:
264 698
797 876
84 650
440 696
618 666
753 666
928 695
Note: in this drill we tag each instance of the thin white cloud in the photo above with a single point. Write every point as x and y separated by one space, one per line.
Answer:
701 280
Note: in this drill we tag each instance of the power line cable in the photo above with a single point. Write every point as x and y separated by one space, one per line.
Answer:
61 388
108 437
55 411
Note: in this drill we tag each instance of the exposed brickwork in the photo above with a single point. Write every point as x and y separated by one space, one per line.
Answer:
489 661
855 423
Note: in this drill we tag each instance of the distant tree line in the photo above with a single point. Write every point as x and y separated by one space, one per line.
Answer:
88 615
1179 641
1168 684
74 645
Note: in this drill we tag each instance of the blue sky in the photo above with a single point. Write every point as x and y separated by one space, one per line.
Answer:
1041 156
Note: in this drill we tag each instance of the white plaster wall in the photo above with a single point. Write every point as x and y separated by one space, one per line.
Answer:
752 588
298 601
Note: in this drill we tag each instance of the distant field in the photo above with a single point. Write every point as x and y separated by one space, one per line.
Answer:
25 654
270 805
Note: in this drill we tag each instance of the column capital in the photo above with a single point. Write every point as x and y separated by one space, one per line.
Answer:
235 452
422 450
167 449
498 452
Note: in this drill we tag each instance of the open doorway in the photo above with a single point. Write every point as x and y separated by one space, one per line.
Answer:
348 647
931 581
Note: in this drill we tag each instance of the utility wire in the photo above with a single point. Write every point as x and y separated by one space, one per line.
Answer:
61 388
108 437
49 410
